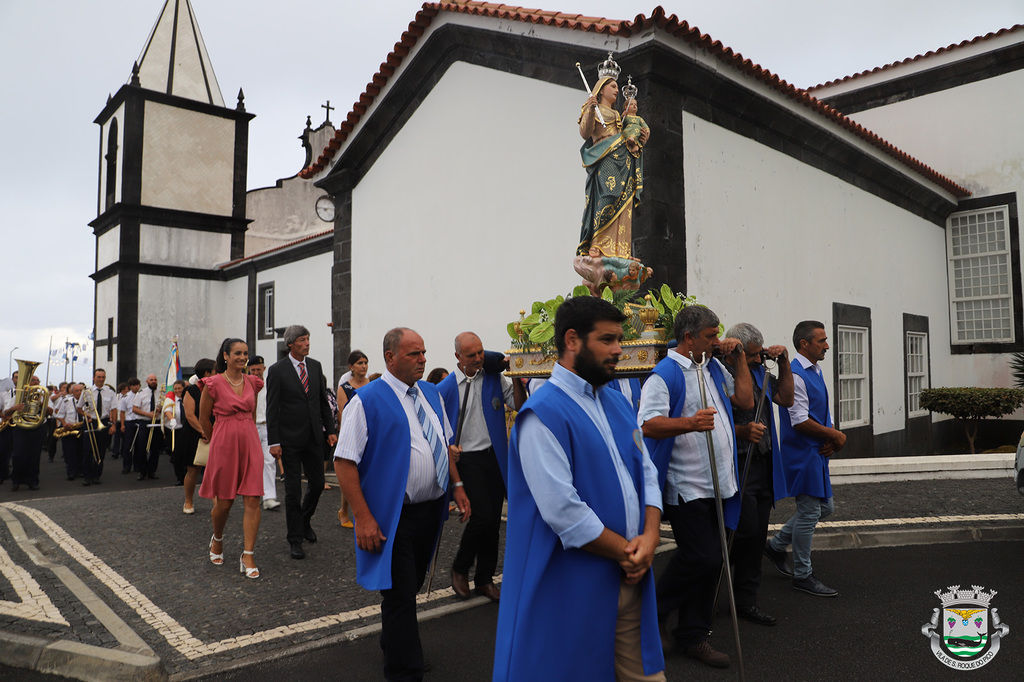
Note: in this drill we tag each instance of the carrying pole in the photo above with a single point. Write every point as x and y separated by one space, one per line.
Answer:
702 382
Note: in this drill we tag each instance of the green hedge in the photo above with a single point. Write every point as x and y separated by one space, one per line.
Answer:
971 405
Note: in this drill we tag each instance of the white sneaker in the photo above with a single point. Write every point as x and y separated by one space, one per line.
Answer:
270 503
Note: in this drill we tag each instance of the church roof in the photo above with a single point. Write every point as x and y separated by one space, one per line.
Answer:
926 55
281 247
658 19
175 60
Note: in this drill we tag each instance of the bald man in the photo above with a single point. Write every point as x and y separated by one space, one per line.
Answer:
147 451
475 396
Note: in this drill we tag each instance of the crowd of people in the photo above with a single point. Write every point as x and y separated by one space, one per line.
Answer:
592 467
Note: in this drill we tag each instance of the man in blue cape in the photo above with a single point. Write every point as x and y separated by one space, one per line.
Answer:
475 394
583 520
808 440
393 464
762 481
674 421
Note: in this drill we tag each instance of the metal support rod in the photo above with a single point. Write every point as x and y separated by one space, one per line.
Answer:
743 481
702 383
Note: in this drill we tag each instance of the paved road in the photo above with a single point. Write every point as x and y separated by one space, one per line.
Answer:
872 631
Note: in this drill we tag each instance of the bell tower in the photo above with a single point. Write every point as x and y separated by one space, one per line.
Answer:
170 202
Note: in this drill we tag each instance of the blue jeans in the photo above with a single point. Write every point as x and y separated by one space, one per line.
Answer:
799 531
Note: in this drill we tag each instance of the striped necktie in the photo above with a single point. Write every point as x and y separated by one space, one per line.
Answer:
440 453
303 377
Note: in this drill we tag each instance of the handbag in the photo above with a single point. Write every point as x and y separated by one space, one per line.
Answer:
202 454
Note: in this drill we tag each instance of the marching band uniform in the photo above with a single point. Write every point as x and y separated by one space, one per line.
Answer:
6 402
147 458
106 401
133 424
70 446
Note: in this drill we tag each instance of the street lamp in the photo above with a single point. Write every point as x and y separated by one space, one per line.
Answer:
9 356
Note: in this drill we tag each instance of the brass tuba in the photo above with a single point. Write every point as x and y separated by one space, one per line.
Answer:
35 398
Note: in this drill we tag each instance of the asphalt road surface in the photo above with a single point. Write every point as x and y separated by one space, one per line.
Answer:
872 631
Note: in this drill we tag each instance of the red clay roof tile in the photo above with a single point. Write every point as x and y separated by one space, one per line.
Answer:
307 238
930 53
658 19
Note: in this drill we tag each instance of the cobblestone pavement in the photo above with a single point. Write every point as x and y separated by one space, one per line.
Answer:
145 560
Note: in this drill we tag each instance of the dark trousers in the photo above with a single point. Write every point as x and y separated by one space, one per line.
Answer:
486 491
92 462
179 458
6 444
27 445
71 451
417 531
299 510
147 459
132 434
752 531
51 441
115 442
688 583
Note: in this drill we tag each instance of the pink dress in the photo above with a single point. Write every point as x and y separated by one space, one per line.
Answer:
235 464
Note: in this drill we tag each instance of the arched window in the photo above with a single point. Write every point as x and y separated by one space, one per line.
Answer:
111 188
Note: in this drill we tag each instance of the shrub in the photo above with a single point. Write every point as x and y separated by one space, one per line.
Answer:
971 405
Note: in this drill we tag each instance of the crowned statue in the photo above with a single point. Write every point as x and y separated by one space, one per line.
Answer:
612 154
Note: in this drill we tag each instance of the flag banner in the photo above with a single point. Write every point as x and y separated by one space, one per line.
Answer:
173 367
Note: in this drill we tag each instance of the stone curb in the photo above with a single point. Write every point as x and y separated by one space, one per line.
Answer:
78 661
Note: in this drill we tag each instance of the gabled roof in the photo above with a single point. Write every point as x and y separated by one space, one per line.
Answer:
658 19
930 53
175 61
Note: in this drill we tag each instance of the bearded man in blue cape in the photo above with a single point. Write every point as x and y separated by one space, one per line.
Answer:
584 512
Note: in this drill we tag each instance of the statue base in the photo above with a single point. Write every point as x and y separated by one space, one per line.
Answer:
638 358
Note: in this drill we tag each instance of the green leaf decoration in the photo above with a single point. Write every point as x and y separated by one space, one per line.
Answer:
537 307
545 331
657 305
580 290
607 294
512 331
531 320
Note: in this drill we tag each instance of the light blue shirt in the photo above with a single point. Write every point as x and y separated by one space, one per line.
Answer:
689 469
549 476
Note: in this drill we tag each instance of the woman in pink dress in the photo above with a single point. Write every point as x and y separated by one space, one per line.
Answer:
235 463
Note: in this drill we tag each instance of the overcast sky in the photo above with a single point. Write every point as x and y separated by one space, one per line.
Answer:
61 58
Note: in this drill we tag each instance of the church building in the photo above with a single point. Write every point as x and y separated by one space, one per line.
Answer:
883 204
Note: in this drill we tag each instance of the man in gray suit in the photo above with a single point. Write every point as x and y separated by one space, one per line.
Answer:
298 417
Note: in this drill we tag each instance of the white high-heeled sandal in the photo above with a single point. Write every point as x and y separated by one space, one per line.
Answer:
216 559
249 572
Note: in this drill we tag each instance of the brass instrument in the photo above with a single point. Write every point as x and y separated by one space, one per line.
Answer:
35 398
90 402
65 432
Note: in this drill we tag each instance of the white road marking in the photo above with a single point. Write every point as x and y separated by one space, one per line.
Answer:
34 604
913 520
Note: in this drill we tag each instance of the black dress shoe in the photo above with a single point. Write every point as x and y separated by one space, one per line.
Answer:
86 482
33 486
14 487
152 477
297 551
755 615
142 477
708 655
309 535
460 584
778 560
489 590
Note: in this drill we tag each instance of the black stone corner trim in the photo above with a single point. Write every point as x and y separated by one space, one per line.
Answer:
1008 199
946 77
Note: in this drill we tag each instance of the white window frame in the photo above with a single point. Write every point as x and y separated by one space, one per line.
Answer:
266 309
864 376
954 330
921 373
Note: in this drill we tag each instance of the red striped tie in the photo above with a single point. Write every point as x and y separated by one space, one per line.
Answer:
303 378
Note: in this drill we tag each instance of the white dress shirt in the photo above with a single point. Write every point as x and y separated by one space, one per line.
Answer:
475 436
67 410
107 399
550 479
141 401
422 483
801 403
689 469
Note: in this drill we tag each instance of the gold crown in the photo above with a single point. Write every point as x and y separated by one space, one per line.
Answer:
975 595
608 68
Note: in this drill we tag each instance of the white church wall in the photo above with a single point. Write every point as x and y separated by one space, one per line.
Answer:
228 310
104 134
106 307
186 308
182 247
491 206
108 247
751 210
972 134
302 295
187 160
